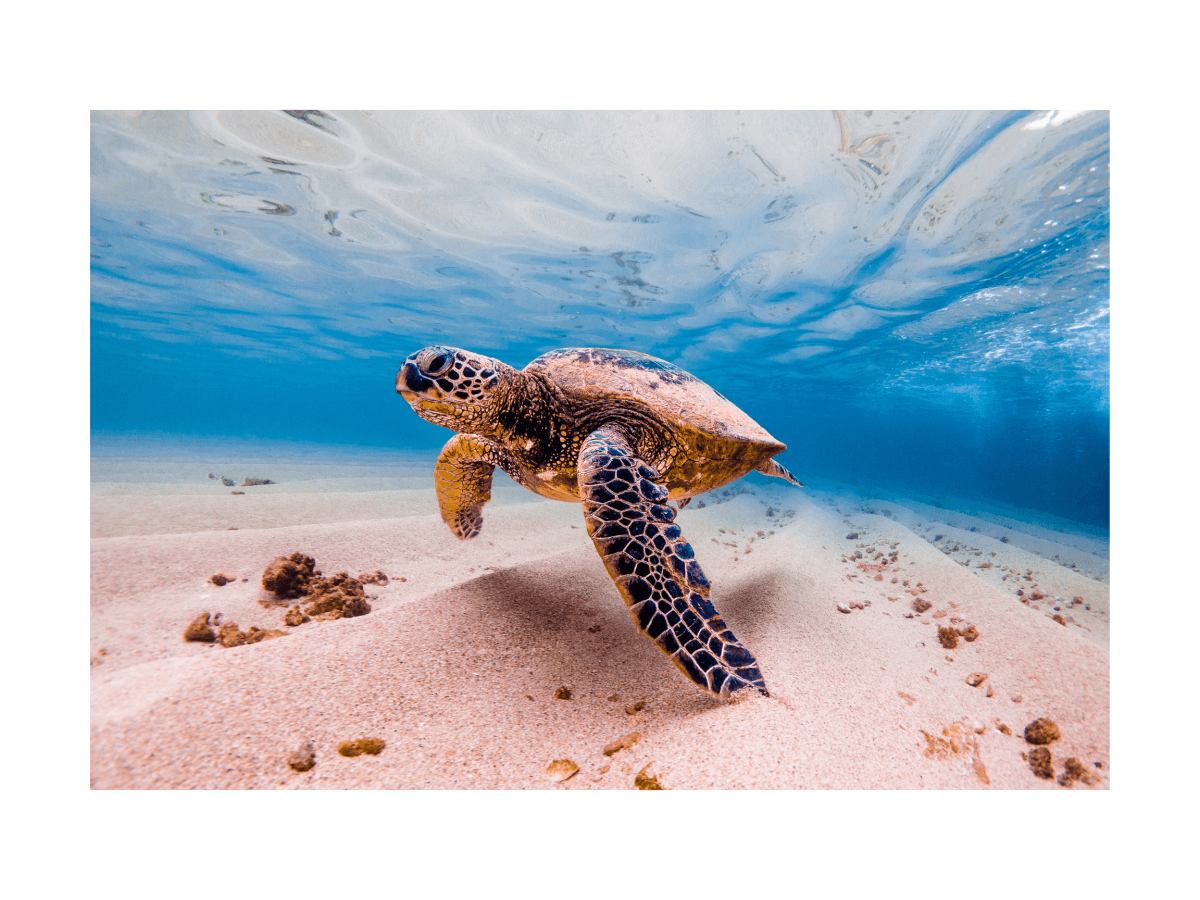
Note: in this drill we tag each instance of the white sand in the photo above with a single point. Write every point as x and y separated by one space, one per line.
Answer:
456 667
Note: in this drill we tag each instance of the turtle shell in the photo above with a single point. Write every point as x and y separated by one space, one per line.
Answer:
713 425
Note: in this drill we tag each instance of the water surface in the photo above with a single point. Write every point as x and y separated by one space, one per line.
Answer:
910 300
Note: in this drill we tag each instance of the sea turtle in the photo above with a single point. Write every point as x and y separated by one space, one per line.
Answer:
620 432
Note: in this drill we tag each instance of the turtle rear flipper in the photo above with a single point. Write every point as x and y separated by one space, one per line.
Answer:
770 467
463 479
654 567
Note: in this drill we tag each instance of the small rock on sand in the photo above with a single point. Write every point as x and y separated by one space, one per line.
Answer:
563 693
560 770
843 608
230 636
370 746
644 781
921 604
623 743
1041 762
303 757
198 630
975 679
968 634
221 579
1073 772
376 577
1042 731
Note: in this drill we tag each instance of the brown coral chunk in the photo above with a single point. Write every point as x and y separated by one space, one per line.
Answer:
198 630
968 634
921 604
303 757
1042 731
255 634
563 693
1059 619
289 576
376 577
948 638
339 597
975 679
220 580
1041 762
229 636
251 482
370 746
295 617
644 781
1073 772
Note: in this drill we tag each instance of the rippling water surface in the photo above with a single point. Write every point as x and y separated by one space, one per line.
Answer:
911 300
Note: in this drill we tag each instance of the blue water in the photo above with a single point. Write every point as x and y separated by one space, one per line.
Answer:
910 301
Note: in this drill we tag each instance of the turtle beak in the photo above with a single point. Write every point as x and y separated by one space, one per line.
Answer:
408 381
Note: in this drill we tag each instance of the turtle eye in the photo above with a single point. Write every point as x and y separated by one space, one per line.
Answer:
438 364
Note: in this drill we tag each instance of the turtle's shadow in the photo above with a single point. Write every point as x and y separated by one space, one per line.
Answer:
584 637
745 603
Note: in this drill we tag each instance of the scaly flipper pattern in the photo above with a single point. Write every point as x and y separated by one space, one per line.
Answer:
654 568
463 479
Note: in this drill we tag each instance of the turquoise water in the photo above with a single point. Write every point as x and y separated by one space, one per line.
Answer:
915 301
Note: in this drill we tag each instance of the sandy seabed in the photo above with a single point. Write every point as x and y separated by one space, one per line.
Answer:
460 666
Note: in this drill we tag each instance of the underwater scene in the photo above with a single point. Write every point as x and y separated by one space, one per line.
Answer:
600 450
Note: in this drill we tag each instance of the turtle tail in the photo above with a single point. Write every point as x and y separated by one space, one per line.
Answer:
770 467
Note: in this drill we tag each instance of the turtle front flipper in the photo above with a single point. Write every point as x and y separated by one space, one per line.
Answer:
463 478
654 567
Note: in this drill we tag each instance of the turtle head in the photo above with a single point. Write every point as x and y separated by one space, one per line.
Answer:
453 388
